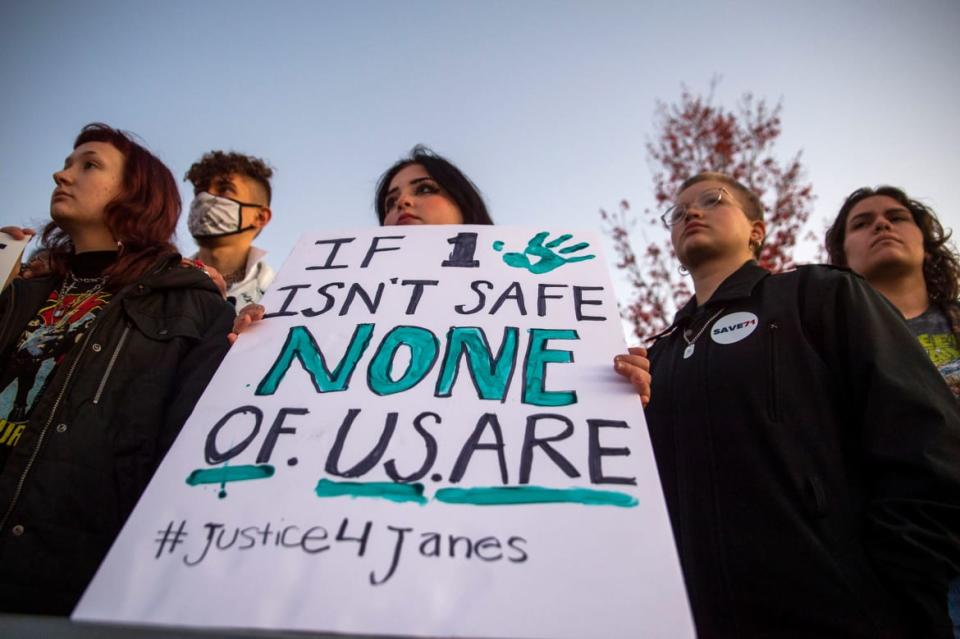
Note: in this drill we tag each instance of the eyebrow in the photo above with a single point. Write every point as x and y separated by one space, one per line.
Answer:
895 209
413 181
67 159
694 198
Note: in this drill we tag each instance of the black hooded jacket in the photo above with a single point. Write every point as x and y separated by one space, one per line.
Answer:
810 457
104 421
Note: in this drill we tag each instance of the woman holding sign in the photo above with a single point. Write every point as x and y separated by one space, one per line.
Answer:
422 188
101 362
807 448
425 188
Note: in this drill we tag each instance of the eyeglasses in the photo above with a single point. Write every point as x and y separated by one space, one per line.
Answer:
706 201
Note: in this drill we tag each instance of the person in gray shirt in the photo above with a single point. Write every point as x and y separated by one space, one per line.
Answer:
897 244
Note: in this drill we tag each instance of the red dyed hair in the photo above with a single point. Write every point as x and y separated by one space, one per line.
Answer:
142 218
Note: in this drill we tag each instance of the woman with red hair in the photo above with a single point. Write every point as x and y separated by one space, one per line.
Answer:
101 362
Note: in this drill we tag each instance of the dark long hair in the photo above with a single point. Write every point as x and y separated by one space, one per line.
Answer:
941 267
142 218
463 192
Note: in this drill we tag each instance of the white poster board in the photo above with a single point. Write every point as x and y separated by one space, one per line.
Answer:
425 436
10 252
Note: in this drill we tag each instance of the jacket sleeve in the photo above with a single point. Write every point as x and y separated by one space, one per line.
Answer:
197 367
907 428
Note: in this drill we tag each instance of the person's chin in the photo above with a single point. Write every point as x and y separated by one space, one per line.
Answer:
59 213
695 243
889 258
888 269
695 252
886 254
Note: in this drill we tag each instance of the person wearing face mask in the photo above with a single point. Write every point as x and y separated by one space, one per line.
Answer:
231 206
898 245
807 449
102 359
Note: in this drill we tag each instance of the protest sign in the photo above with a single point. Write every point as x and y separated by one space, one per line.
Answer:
10 252
424 436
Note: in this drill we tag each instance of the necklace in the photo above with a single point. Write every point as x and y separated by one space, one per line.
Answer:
236 276
63 309
85 280
688 351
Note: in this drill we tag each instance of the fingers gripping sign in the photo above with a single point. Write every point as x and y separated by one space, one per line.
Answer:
245 318
12 242
549 258
635 366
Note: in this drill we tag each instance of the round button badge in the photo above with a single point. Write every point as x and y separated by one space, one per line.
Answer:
734 327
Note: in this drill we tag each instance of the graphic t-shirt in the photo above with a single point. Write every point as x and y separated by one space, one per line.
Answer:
934 332
932 328
60 323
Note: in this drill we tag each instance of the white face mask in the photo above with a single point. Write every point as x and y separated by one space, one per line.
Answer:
215 216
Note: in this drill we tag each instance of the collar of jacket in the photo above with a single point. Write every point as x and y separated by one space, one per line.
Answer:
36 286
158 316
738 285
168 273
148 312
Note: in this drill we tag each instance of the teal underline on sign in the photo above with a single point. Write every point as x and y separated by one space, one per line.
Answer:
377 489
503 496
229 473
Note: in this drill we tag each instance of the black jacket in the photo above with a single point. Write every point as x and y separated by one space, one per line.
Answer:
96 434
811 464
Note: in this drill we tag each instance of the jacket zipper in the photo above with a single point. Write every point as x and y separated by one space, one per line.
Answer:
113 360
43 432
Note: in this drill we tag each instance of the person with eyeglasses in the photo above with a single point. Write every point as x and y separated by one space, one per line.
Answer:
807 448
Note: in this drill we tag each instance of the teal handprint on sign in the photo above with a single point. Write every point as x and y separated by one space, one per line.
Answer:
548 256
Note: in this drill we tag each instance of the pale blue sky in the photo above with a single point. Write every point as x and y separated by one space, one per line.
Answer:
546 105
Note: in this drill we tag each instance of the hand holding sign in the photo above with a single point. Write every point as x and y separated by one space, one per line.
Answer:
17 233
12 241
245 318
635 366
